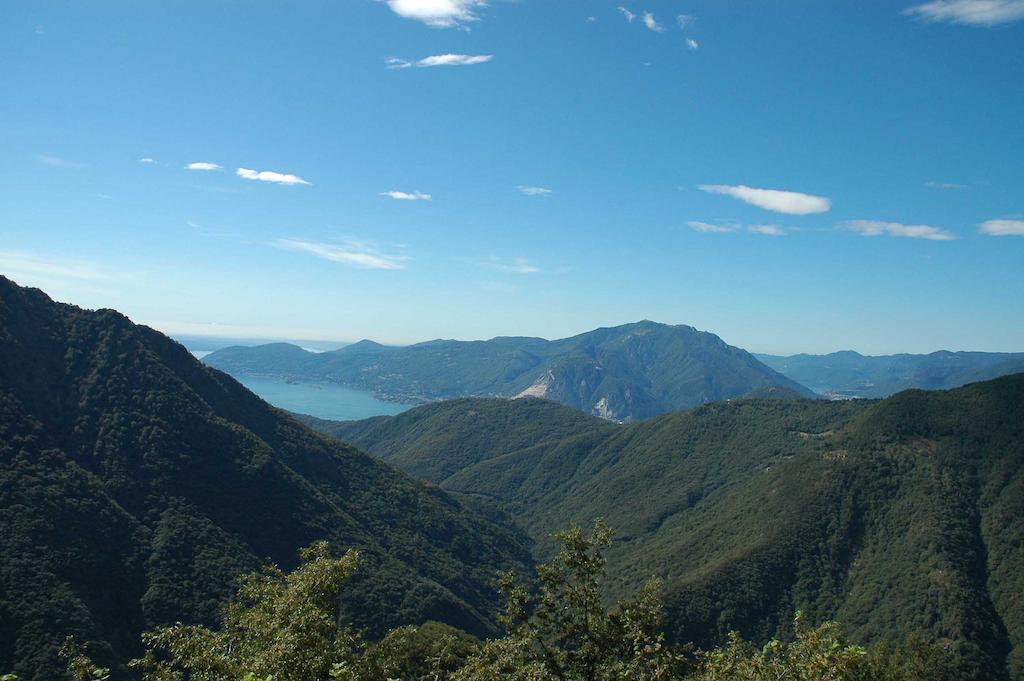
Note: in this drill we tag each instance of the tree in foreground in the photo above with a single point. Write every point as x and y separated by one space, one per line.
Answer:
286 627
561 629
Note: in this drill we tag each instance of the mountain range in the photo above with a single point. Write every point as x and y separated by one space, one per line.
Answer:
896 517
622 373
849 374
136 484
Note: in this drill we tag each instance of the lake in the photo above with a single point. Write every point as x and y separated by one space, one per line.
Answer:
323 400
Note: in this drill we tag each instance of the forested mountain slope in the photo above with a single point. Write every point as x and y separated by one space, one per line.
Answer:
136 483
850 374
894 517
622 373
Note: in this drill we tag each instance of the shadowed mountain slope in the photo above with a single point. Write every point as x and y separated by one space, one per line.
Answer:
136 483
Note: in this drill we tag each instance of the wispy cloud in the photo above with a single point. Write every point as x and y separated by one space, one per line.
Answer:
202 165
652 23
512 266
147 159
944 185
767 230
684 20
534 191
730 227
970 12
708 228
56 162
269 176
441 60
791 203
630 17
408 196
203 230
1002 228
352 253
880 228
438 13
692 44
26 266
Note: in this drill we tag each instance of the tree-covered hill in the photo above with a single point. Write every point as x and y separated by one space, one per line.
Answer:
622 373
850 374
895 517
137 483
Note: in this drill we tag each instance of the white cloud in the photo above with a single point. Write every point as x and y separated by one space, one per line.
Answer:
534 191
147 159
591 20
685 20
945 185
437 13
879 228
791 203
709 228
408 196
58 162
692 44
513 266
626 13
202 165
351 253
769 230
269 176
1002 227
652 23
454 60
970 12
396 63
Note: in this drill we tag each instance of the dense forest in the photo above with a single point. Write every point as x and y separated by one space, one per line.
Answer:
621 373
286 627
893 517
136 484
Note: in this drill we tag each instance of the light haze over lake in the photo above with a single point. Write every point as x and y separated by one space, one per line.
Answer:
323 400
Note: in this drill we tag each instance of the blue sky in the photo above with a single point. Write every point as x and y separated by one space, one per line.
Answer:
411 169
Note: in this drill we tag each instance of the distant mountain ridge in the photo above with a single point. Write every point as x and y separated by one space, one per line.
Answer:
895 517
622 373
850 374
136 484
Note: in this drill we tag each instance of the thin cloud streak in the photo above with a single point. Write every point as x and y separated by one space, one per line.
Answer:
767 230
983 13
203 165
408 196
513 266
353 254
778 201
534 191
438 60
17 263
895 229
708 228
55 162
